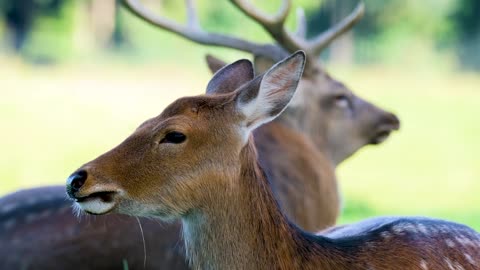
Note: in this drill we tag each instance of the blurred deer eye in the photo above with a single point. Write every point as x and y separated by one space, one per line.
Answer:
342 101
174 137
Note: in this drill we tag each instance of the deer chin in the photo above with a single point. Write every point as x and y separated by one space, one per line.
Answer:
380 137
382 133
98 203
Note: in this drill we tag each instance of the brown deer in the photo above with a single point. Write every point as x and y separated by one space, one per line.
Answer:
197 162
299 151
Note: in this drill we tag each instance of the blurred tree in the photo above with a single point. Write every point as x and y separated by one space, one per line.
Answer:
119 35
467 28
319 20
20 15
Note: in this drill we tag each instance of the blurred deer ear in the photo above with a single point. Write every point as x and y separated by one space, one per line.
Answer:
214 63
262 64
231 77
264 98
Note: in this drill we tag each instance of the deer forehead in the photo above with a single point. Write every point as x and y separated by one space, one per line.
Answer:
191 111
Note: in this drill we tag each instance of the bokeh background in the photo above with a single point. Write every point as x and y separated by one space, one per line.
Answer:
76 77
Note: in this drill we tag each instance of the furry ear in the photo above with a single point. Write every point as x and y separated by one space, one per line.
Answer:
262 64
231 77
214 63
267 96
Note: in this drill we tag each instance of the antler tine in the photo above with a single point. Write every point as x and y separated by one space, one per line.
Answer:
192 18
195 33
265 20
273 24
301 31
322 41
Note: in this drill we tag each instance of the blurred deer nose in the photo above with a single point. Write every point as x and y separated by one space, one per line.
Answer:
76 181
393 120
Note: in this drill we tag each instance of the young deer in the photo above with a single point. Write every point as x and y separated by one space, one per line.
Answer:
197 161
325 123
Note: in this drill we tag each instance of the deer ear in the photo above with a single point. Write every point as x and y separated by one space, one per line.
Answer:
267 96
231 77
214 63
262 64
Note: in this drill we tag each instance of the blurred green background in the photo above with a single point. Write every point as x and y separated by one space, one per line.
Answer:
77 77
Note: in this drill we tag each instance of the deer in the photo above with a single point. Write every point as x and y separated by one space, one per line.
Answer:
324 125
197 162
299 151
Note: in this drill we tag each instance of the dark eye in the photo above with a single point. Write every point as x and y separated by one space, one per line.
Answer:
342 100
173 137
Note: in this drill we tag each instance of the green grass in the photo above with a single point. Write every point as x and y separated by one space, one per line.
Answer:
55 119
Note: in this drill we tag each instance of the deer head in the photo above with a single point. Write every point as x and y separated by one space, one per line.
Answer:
167 165
338 121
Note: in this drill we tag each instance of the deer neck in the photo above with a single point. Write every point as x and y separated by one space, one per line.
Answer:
244 227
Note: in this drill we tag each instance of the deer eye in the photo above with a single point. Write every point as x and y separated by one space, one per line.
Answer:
174 137
342 101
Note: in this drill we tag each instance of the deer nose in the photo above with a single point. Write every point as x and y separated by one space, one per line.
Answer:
76 181
393 120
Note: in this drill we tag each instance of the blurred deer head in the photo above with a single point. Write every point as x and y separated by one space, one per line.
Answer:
338 121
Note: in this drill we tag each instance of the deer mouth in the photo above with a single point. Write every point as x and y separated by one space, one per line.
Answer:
382 133
97 203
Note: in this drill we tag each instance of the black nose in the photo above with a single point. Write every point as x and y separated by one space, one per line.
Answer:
393 120
76 181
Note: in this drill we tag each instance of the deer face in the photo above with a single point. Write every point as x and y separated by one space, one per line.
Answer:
335 118
157 170
174 162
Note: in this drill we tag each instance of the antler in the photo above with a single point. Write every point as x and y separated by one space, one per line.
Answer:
273 24
194 32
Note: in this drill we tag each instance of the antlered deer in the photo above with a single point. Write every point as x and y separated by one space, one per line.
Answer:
197 162
324 124
299 150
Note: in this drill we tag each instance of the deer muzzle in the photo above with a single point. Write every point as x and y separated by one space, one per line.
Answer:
95 200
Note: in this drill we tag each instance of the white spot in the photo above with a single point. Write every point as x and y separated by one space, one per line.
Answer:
423 265
458 266
445 228
450 243
385 235
435 229
464 241
421 228
410 228
454 265
469 258
398 229
449 263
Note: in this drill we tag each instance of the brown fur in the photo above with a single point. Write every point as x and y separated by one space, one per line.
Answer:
212 181
301 148
309 202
